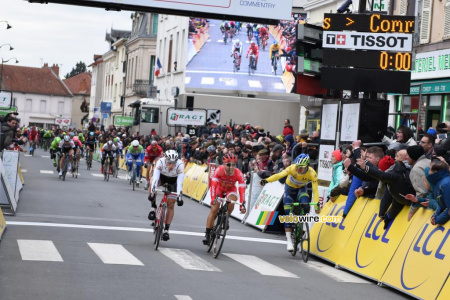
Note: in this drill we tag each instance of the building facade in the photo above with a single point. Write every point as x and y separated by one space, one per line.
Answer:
80 87
40 96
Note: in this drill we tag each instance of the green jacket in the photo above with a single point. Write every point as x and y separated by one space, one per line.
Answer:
337 172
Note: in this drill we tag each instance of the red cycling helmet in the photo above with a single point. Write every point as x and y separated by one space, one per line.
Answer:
229 158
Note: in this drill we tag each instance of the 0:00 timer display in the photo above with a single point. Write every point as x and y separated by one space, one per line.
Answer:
398 61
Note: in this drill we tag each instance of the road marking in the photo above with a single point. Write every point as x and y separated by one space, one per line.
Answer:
229 81
97 175
183 297
45 156
255 84
336 274
46 172
39 250
114 254
260 266
232 73
207 80
188 260
27 155
23 170
279 86
135 229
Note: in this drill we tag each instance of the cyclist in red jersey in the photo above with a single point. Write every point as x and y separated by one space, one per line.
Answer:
263 33
253 49
224 184
152 153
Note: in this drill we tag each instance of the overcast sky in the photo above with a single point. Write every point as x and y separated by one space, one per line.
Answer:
55 33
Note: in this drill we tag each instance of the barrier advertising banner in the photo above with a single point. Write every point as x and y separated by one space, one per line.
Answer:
11 165
370 247
194 180
325 168
2 224
187 175
445 292
202 186
268 200
328 240
421 264
236 211
6 193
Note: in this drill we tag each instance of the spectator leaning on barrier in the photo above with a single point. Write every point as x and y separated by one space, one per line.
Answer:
397 182
427 143
336 159
8 131
418 161
439 177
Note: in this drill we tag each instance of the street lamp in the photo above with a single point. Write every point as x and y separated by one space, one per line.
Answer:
10 47
1 72
7 24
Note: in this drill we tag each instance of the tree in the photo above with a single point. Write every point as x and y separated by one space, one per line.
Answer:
78 69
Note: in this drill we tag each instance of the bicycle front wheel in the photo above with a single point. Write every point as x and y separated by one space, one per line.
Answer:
160 226
220 234
212 234
295 237
304 242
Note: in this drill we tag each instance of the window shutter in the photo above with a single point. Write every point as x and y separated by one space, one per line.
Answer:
403 7
447 20
425 26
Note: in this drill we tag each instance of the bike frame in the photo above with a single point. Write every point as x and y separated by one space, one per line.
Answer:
161 215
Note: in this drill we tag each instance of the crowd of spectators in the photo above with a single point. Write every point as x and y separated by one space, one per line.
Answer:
401 173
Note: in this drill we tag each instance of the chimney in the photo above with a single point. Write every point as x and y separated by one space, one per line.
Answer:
83 86
45 65
55 69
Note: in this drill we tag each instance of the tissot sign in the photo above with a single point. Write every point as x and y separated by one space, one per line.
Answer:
367 41
245 9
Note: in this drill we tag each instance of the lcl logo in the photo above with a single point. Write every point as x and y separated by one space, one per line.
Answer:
420 245
334 212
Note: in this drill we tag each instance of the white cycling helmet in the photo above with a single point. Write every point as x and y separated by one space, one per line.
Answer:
110 143
171 155
238 42
67 138
135 143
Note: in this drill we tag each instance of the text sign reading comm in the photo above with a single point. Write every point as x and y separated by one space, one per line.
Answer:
400 61
369 23
367 41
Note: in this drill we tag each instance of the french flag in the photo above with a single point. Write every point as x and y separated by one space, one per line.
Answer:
158 67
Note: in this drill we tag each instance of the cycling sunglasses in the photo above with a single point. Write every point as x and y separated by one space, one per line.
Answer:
230 165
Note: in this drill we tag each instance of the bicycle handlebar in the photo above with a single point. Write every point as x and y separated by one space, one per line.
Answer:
229 201
168 193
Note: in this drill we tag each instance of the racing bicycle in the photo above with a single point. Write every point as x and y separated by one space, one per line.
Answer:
107 167
158 225
236 61
133 178
300 231
275 58
219 231
88 159
252 64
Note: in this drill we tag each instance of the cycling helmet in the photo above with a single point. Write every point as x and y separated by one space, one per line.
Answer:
47 132
91 133
237 42
154 144
135 143
72 134
80 135
58 139
115 140
252 43
302 160
211 149
66 138
110 143
64 133
171 156
275 43
124 135
75 139
229 158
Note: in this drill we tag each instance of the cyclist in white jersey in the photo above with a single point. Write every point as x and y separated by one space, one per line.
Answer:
169 169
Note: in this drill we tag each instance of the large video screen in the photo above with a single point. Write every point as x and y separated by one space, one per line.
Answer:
211 64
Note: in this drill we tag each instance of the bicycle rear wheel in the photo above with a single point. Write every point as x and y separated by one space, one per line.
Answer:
304 242
160 226
221 233
64 170
294 238
133 176
107 171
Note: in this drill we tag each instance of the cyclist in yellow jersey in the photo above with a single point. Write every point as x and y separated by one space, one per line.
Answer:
298 175
275 47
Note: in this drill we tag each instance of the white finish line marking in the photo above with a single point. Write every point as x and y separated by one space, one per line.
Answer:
114 254
135 229
97 175
23 170
183 297
45 156
188 260
46 172
334 273
260 266
38 250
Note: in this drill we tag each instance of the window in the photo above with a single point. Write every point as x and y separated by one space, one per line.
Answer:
152 69
29 105
447 21
169 65
154 24
150 115
60 108
425 27
43 108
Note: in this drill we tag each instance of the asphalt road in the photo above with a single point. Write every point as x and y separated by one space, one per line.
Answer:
90 239
212 67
